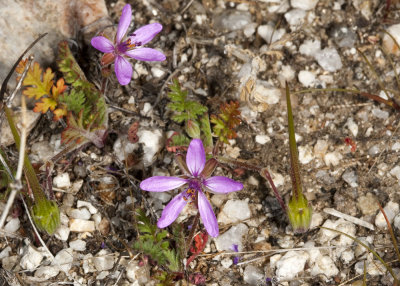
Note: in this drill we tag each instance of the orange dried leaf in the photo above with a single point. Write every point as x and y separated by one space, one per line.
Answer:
59 88
59 113
45 104
40 84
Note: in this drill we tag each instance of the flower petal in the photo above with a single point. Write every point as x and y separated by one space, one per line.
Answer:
222 185
207 215
145 34
146 54
123 70
196 157
102 44
161 183
124 22
172 211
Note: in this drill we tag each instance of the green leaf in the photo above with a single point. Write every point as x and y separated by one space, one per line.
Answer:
46 215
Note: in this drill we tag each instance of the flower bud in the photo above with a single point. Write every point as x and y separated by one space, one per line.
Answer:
299 213
193 129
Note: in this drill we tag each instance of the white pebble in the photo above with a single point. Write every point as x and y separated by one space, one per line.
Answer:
295 17
324 265
396 146
64 259
350 177
62 233
270 34
249 30
306 78
264 92
332 158
379 113
89 206
291 264
13 225
103 260
82 213
31 258
253 275
123 147
157 72
234 211
388 44
62 181
152 144
46 272
352 126
304 4
305 154
391 210
310 47
226 262
395 172
232 236
79 225
329 59
136 274
78 245
262 139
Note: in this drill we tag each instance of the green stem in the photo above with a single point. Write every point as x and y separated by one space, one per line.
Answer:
29 171
294 159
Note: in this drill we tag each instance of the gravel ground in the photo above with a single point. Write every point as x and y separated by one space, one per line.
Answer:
246 51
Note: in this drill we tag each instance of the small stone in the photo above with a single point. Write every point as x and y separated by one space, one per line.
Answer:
310 47
295 17
79 225
395 172
388 44
31 258
391 210
78 245
82 213
396 146
304 4
123 147
62 181
137 274
64 259
320 148
332 158
379 113
232 236
13 225
266 93
157 72
10 263
89 206
152 143
62 233
306 78
262 139
347 256
249 30
270 34
368 204
291 264
103 260
232 20
351 178
324 265
374 150
5 252
329 59
344 37
234 211
352 126
305 154
226 262
47 272
253 275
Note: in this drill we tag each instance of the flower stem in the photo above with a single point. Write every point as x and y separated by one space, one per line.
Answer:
262 171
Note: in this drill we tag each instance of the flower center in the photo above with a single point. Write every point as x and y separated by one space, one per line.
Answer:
190 195
127 45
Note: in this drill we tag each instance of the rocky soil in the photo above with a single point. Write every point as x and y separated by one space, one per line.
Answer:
221 51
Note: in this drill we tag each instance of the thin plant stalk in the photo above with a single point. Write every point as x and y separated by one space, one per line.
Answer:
369 249
16 186
394 241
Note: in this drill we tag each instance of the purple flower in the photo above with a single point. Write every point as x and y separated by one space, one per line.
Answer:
197 172
131 47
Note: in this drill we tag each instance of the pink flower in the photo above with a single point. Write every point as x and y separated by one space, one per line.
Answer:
131 47
197 180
